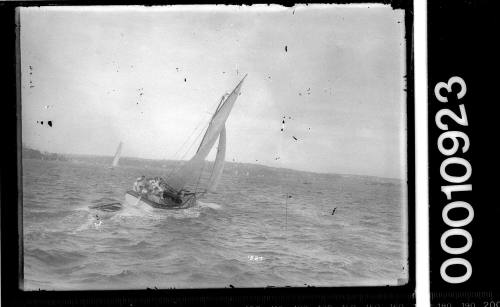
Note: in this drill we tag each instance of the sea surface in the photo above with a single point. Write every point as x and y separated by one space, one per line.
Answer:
264 227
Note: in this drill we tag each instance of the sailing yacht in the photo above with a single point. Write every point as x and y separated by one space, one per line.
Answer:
175 194
118 154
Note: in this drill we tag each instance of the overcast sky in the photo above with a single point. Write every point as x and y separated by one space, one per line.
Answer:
152 76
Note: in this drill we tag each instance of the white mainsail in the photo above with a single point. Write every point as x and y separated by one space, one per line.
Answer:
117 155
193 168
219 162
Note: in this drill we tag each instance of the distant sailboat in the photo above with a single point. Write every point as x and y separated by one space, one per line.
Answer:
118 154
174 194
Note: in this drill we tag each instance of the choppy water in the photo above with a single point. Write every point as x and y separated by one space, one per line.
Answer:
249 234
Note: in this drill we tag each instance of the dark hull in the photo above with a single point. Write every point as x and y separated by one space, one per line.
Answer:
133 198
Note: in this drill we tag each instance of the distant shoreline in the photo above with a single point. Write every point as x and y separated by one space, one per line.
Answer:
29 153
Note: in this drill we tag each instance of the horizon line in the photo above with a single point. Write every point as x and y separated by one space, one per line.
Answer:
226 161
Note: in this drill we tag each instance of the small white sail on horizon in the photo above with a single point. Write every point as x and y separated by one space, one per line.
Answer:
192 170
118 154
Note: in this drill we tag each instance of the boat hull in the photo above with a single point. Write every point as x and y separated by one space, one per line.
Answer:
135 199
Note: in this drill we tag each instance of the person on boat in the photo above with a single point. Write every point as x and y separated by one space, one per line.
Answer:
139 184
163 185
174 197
165 195
158 188
179 197
155 186
145 186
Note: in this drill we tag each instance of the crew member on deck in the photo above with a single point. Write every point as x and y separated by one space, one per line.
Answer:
139 184
174 197
179 196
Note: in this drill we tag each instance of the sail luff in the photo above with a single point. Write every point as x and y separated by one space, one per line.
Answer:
219 162
218 122
193 168
208 128
225 98
117 155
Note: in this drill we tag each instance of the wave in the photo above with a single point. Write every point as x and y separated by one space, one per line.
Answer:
54 257
90 224
140 245
104 200
260 238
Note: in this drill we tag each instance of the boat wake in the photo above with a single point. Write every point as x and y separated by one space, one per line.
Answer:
98 216
140 216
141 211
209 205
92 221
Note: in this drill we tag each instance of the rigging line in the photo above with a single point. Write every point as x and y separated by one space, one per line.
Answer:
223 99
193 142
199 177
175 169
191 135
203 168
213 167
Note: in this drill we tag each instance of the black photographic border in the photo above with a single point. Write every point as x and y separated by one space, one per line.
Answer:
459 37
11 205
